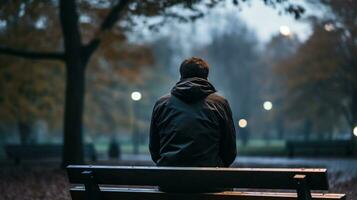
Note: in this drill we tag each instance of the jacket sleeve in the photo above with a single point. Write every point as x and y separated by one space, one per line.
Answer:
228 149
154 139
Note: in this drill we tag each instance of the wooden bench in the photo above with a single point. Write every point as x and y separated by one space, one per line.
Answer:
42 151
140 183
314 147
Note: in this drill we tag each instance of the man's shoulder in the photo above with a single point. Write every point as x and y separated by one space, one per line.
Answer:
162 99
160 104
221 104
216 98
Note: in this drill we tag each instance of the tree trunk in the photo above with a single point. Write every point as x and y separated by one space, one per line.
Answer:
244 134
307 129
73 137
354 120
354 109
25 130
75 81
135 133
280 128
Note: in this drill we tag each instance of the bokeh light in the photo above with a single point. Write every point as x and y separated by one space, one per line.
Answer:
135 96
242 123
267 105
355 131
329 27
285 30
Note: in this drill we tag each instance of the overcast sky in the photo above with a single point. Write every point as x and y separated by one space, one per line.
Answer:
265 21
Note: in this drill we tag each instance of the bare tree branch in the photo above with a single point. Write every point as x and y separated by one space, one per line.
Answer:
113 15
107 24
31 54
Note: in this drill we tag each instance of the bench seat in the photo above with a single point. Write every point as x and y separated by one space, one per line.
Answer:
114 193
141 183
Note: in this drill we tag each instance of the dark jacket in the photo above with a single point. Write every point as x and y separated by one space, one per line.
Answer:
193 127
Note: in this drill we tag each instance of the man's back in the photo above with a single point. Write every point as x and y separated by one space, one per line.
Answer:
192 127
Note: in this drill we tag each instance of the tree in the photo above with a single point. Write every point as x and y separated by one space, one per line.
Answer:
319 81
30 91
278 49
108 81
233 55
77 52
345 25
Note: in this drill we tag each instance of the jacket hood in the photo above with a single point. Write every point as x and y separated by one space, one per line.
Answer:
192 89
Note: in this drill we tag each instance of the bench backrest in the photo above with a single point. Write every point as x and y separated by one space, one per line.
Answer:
258 178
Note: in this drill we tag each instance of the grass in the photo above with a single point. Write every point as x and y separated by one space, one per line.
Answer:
262 148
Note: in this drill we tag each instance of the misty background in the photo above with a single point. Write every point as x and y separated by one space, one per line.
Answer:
258 59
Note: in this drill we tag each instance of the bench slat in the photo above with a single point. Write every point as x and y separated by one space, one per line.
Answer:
153 194
204 177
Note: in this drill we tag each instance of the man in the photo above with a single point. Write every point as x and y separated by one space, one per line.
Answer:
192 126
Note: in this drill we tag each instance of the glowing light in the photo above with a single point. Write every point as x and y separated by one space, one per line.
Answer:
355 131
41 23
3 24
285 30
136 96
329 27
267 105
85 19
242 123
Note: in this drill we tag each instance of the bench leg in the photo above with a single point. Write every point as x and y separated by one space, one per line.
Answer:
303 192
92 189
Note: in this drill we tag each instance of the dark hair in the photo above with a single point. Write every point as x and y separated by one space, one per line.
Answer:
194 67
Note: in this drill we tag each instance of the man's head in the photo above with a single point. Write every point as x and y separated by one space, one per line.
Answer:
194 67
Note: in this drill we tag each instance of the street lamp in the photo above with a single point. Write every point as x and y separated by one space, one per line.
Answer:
285 30
268 105
355 131
242 123
329 27
135 96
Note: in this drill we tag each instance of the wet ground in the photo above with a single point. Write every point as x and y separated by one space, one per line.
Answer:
44 180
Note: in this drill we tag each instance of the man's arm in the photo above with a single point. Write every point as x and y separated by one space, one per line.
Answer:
228 149
154 140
